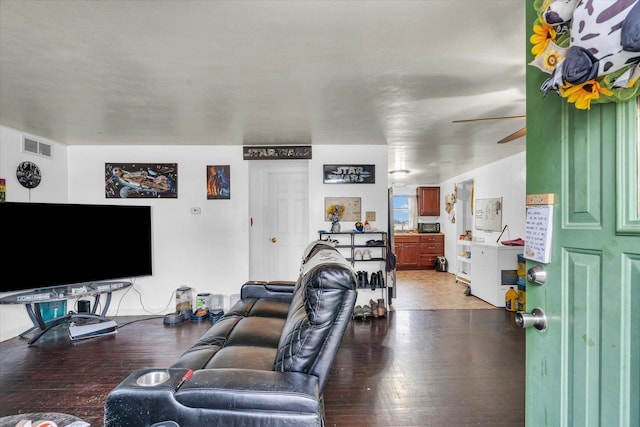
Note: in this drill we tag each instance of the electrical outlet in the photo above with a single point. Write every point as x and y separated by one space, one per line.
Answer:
195 211
370 216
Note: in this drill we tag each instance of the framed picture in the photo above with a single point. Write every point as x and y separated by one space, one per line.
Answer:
140 180
488 214
352 207
218 182
278 152
349 174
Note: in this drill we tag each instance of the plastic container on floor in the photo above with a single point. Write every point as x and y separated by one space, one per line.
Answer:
511 300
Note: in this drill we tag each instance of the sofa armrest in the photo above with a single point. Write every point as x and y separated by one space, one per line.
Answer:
278 290
218 397
251 390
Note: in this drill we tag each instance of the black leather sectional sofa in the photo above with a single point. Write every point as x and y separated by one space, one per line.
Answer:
264 363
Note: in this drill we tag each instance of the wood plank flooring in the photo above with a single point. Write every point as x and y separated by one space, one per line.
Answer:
419 366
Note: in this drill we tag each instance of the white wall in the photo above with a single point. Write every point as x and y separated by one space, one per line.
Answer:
52 188
504 178
374 196
207 252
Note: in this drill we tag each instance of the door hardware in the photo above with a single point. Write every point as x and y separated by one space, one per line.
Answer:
536 318
537 275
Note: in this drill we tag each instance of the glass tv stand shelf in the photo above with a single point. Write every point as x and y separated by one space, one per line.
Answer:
33 298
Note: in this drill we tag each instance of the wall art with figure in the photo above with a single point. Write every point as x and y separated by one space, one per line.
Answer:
140 180
218 182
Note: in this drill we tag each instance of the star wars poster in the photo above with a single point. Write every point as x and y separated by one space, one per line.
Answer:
141 180
218 182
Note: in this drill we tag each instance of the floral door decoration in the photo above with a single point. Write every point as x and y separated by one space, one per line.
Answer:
591 49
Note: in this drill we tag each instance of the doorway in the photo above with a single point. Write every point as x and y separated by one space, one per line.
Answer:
464 206
278 208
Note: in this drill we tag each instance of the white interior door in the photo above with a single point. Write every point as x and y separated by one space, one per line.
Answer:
279 212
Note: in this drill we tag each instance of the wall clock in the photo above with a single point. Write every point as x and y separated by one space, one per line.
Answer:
28 174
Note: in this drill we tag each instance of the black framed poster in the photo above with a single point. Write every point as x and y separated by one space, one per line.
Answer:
349 174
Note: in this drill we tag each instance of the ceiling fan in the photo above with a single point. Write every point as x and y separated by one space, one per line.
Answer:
517 134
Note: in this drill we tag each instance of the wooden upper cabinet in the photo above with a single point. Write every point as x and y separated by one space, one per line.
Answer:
428 201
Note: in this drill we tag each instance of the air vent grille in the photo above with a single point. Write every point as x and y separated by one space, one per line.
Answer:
30 145
45 149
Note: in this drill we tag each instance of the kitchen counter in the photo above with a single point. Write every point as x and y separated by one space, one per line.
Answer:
415 233
417 251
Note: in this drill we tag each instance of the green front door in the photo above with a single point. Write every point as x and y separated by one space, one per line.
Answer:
584 368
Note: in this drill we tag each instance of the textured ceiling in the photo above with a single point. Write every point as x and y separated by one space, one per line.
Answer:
205 72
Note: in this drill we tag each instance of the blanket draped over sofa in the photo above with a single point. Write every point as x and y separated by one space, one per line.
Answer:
264 363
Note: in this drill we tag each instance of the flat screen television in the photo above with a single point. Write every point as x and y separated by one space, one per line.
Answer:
53 244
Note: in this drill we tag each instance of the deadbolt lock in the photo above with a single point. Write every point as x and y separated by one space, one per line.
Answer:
537 275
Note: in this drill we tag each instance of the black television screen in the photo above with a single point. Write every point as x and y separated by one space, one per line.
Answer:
51 244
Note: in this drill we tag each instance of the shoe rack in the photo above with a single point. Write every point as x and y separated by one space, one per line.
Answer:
367 252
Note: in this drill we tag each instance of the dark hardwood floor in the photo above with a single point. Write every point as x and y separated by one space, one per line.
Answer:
453 367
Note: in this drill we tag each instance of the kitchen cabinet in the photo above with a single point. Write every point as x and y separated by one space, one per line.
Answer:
431 247
419 251
407 250
428 201
494 269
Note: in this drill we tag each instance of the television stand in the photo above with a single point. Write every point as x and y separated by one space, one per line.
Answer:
32 299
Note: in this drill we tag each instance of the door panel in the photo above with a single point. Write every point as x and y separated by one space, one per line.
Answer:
584 368
279 230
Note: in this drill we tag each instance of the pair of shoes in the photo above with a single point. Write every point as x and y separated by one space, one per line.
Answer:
381 279
362 279
382 310
358 312
377 280
357 255
366 254
367 311
374 281
374 307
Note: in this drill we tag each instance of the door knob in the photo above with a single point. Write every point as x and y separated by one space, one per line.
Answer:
273 240
536 318
537 274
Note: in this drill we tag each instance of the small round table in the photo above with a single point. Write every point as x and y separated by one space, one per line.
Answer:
60 419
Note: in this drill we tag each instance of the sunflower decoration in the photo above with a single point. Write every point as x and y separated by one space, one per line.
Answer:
335 212
575 72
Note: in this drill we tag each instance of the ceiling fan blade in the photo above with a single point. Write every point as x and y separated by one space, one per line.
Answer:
517 134
490 118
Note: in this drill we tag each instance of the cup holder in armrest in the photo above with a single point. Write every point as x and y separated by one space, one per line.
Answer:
153 378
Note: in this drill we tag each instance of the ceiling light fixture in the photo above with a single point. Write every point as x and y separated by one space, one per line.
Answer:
399 172
398 177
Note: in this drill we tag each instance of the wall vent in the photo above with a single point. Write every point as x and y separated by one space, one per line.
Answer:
30 145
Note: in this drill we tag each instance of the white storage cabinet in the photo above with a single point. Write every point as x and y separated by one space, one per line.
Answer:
489 262
463 261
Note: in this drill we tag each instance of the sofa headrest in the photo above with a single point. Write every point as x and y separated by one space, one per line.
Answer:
324 255
313 247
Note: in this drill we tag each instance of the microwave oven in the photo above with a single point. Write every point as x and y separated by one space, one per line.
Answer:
428 227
